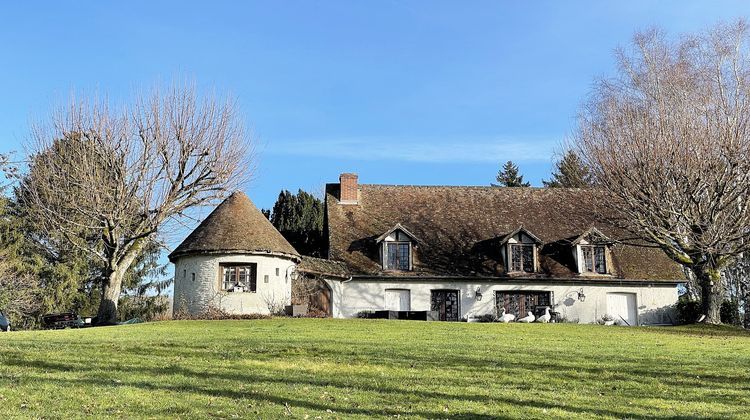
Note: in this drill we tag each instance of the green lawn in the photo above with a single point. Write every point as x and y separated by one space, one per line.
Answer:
309 368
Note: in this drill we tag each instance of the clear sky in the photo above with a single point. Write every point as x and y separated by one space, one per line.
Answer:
405 92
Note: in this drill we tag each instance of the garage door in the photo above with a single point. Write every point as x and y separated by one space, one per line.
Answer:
397 299
622 307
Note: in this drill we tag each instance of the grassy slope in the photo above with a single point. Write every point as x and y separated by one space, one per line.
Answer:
364 368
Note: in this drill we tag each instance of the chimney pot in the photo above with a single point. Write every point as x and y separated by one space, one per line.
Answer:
349 188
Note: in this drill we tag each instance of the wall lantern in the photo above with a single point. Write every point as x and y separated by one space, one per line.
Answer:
581 295
293 275
478 294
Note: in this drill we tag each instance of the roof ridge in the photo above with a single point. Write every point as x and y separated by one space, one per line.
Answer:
479 187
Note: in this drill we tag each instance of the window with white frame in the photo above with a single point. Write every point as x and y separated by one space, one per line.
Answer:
238 277
522 258
593 259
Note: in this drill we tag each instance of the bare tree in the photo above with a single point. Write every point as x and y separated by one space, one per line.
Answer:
111 180
668 139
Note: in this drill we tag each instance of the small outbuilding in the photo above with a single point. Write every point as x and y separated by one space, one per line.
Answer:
235 261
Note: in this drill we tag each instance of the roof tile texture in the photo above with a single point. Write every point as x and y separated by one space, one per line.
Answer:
460 229
235 226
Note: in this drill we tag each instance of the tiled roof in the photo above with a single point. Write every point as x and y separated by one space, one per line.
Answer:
460 229
312 265
236 226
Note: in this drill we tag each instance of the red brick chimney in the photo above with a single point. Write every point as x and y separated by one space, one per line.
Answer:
349 188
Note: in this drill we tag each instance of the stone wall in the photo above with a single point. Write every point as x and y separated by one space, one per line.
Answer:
197 283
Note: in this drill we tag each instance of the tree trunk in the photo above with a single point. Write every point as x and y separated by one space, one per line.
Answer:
712 293
111 287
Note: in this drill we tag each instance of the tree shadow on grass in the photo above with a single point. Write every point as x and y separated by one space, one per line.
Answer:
704 330
343 386
298 404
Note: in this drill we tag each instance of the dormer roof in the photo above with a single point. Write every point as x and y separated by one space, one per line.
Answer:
398 227
592 232
521 230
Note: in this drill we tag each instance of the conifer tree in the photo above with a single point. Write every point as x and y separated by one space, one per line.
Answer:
570 172
299 218
508 176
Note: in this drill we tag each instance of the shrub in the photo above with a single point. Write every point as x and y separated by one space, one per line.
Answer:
688 310
487 318
730 313
364 314
213 313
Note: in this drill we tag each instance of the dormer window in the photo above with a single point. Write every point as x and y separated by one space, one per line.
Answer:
520 250
398 256
594 259
522 257
590 250
396 247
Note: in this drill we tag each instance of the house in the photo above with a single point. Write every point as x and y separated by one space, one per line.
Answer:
455 252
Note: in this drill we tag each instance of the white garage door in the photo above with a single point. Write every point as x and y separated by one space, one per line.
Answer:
622 307
398 299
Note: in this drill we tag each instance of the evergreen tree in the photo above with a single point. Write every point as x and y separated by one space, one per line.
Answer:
58 277
570 172
508 176
299 218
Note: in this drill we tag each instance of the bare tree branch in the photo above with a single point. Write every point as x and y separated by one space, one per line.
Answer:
668 138
111 179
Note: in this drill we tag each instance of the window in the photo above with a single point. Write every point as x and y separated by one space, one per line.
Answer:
522 257
193 276
594 259
265 278
520 302
398 257
277 271
238 277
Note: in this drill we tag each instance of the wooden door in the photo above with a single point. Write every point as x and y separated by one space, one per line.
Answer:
447 304
323 299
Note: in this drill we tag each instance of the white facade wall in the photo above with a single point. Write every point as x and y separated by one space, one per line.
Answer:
654 303
195 295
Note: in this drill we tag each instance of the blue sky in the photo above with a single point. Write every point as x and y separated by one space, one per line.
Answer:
406 92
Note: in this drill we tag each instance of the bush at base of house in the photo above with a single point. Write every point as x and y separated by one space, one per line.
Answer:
688 311
213 313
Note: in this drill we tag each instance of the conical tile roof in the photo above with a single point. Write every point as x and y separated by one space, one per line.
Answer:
236 226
